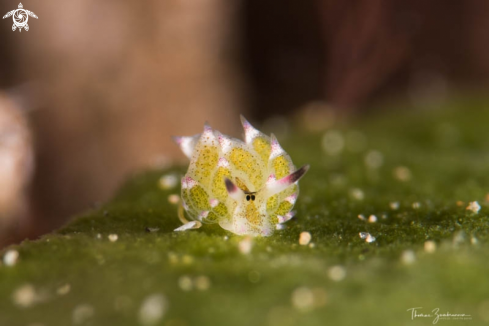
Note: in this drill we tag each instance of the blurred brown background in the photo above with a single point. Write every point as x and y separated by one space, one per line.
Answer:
93 91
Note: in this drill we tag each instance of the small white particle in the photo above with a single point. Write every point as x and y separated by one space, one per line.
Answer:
63 290
82 313
361 217
337 273
185 283
168 181
113 237
173 199
333 142
394 205
430 246
367 236
226 238
408 257
304 238
374 159
312 245
245 245
99 236
10 258
402 173
24 296
474 241
152 309
458 238
416 205
370 238
357 194
474 207
202 283
189 226
303 299
280 226
372 219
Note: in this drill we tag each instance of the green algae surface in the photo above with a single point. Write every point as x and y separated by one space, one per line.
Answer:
410 176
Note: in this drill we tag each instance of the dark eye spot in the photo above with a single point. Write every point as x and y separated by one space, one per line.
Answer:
248 198
252 197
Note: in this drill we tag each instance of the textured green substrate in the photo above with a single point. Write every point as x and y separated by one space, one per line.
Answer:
446 154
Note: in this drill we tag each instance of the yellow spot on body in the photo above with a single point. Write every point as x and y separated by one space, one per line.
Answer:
218 186
283 208
281 165
221 210
205 164
199 198
252 214
272 204
211 217
262 147
246 162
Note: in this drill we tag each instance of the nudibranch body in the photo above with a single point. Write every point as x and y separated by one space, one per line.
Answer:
248 187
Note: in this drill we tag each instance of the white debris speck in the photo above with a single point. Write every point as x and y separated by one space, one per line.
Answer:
64 289
337 273
168 181
185 283
173 199
416 205
113 237
304 238
99 236
394 205
402 173
82 313
370 238
458 238
367 236
362 217
302 299
357 194
374 159
226 238
245 245
202 283
430 246
152 309
408 257
10 258
474 241
474 207
333 142
189 226
24 296
279 227
372 219
312 245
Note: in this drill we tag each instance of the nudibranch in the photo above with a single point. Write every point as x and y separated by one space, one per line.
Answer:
248 187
